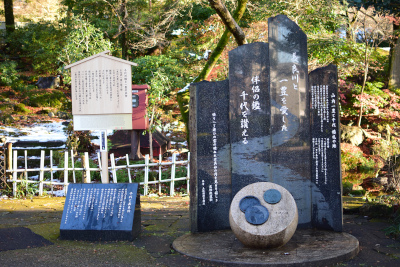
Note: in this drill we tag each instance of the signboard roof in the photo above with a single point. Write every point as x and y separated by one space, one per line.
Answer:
102 54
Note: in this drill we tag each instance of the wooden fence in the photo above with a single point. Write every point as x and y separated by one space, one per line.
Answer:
86 171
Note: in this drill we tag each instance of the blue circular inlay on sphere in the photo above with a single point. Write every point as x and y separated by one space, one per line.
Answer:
272 196
247 202
256 215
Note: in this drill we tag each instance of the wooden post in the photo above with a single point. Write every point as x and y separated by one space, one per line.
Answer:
73 166
87 168
146 175
128 169
84 178
51 170
104 167
26 167
188 174
9 159
113 170
14 176
105 179
41 173
159 173
172 184
66 172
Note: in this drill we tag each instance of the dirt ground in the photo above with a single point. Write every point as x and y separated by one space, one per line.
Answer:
163 220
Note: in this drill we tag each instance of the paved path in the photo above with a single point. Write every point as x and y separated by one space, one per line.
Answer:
163 220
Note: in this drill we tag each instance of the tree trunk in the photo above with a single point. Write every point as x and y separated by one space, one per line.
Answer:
394 60
183 97
151 134
350 25
366 68
9 15
135 145
214 56
229 21
123 29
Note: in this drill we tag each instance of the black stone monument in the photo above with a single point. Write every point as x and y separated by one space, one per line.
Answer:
249 114
106 212
210 182
325 149
290 125
267 124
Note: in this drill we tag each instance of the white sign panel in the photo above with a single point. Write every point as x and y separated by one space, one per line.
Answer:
101 86
101 122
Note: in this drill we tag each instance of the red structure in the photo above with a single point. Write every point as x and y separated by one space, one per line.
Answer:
139 103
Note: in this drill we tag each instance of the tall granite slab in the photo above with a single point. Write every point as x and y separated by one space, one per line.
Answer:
249 115
290 124
325 147
106 212
210 183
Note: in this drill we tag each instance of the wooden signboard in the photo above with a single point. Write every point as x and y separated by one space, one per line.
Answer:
101 93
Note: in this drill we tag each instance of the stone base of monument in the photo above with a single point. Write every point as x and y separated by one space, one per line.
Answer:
263 215
307 247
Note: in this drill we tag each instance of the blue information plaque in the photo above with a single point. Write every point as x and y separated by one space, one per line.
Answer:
101 212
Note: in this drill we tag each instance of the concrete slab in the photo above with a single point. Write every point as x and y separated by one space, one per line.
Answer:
307 247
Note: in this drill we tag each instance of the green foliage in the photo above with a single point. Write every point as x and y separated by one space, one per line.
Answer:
386 148
53 99
39 42
347 188
356 162
79 141
8 73
334 50
21 109
148 65
144 24
196 13
24 189
394 229
83 40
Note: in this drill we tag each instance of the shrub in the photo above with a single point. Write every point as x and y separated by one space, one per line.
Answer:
54 99
83 40
21 109
41 43
8 73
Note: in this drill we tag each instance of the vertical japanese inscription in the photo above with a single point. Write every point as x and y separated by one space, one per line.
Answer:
290 127
249 114
210 161
326 166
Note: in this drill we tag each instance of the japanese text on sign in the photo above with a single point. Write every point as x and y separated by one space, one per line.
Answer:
214 134
284 86
246 108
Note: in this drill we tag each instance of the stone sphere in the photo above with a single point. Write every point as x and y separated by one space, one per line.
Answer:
270 223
